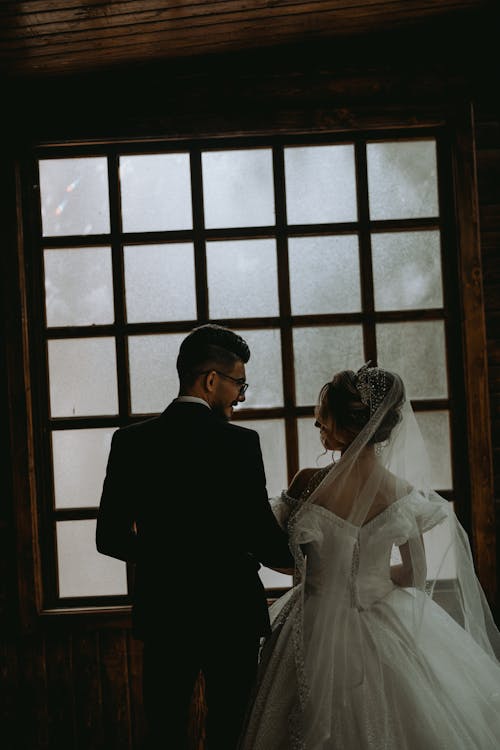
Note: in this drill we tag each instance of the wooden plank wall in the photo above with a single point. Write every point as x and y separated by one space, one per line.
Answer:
74 688
488 172
77 691
56 36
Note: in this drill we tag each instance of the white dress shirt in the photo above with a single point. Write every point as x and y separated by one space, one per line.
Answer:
193 400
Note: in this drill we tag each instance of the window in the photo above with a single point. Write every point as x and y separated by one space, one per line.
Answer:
323 252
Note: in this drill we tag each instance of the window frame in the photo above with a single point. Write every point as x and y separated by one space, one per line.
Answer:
457 166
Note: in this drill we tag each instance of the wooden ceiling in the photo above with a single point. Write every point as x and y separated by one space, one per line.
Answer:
45 37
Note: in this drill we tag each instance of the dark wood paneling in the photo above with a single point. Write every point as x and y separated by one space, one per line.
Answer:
10 707
86 658
488 167
138 726
74 691
69 35
60 690
475 356
115 689
33 694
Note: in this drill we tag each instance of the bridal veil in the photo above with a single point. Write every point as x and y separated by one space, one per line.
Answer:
386 463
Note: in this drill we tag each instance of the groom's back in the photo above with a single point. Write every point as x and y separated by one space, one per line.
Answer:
189 468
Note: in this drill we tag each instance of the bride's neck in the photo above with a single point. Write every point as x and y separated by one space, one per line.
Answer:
366 461
367 455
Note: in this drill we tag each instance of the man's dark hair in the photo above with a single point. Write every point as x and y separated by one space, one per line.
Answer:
209 347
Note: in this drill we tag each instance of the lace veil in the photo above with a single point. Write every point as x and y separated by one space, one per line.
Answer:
385 470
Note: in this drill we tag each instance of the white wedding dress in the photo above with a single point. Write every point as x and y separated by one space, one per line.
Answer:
396 673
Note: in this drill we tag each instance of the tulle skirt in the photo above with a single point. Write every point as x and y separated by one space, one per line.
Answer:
439 691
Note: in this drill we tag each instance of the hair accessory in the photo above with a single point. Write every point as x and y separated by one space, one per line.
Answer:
371 385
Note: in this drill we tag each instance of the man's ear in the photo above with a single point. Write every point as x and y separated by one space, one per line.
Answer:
210 381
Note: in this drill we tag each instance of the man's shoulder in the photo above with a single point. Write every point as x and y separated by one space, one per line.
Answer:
238 432
137 430
175 414
239 428
200 418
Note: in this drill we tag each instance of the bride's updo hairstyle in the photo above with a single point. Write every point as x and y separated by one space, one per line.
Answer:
352 398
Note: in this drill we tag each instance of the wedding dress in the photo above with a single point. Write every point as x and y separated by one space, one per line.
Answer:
356 662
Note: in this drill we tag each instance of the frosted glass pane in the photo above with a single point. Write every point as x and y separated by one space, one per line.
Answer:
402 179
321 352
435 427
153 378
82 374
79 460
82 570
320 184
78 286
416 351
238 188
74 196
242 279
324 275
311 451
407 270
155 192
160 282
271 579
273 444
436 542
264 372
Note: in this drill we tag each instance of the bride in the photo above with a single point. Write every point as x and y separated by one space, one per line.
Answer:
361 656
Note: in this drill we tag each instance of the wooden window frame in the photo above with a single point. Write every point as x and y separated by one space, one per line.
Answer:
470 360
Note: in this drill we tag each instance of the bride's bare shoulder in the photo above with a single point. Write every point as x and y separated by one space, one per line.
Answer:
395 487
300 481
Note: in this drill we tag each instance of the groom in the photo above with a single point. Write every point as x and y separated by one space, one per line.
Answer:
185 499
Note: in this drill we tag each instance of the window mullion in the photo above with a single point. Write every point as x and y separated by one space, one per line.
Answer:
287 358
200 250
41 402
452 305
118 266
118 288
365 253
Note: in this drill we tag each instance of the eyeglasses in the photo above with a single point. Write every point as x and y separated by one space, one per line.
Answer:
239 381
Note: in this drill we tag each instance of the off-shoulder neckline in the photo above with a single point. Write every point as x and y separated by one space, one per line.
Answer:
344 522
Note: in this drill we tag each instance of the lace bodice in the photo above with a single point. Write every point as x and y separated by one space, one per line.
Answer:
356 561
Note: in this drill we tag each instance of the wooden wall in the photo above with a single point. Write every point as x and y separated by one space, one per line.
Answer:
56 37
75 685
488 171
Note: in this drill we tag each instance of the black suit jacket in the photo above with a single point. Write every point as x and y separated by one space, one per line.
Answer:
185 499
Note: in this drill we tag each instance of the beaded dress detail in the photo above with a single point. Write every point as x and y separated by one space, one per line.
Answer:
380 688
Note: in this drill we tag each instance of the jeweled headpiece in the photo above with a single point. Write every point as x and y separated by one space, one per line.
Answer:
370 383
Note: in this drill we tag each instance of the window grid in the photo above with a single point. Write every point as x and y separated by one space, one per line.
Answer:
368 317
